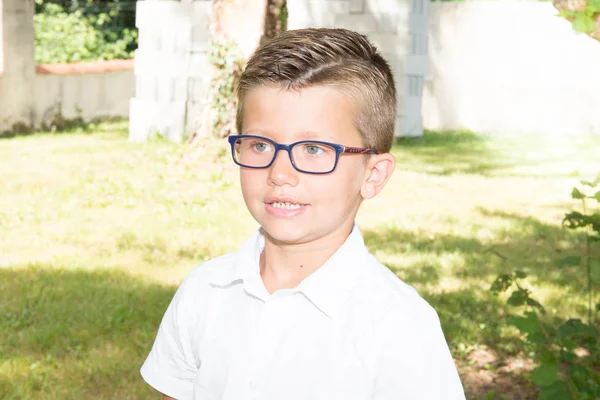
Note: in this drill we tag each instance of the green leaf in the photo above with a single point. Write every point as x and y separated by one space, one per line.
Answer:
556 391
501 283
569 261
518 297
574 220
593 6
573 327
584 23
520 275
597 196
569 345
534 303
569 14
527 324
545 356
576 194
597 306
545 375
580 373
521 297
595 265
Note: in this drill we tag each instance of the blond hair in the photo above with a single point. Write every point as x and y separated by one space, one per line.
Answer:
339 58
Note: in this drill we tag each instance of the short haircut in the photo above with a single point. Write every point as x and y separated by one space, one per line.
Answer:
338 58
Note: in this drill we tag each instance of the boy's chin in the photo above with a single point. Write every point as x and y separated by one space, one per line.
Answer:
287 233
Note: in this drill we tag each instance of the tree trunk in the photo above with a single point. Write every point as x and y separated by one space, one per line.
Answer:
275 19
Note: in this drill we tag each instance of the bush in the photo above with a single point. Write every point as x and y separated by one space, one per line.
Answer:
566 349
62 37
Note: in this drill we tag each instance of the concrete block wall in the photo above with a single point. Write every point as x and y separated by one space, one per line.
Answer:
172 71
32 96
83 90
18 66
397 27
538 77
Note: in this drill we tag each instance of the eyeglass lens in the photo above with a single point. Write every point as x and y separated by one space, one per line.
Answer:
307 156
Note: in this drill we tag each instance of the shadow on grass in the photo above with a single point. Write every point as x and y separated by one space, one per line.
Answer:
470 314
452 152
473 314
76 334
529 244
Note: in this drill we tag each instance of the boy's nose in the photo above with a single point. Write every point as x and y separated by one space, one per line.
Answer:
282 171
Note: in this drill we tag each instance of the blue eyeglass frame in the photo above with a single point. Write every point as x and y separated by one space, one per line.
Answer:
339 149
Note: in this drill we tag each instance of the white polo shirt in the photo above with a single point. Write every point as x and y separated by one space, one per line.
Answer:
350 331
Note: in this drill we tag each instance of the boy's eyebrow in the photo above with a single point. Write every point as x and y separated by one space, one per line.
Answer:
253 131
316 135
304 135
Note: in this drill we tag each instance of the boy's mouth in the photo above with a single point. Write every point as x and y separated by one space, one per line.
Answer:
285 205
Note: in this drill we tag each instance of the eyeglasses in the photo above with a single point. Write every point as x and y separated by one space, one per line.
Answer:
307 156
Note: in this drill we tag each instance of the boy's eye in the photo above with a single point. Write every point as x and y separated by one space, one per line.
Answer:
314 150
261 146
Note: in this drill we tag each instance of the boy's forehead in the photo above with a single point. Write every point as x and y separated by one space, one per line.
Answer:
315 112
262 90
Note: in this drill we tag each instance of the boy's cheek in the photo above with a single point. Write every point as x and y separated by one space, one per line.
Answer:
251 180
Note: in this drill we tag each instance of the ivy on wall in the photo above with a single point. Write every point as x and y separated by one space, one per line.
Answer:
228 63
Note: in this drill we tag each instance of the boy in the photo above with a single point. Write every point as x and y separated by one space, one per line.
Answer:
302 311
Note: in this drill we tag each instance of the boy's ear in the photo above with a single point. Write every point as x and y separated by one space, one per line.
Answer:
378 171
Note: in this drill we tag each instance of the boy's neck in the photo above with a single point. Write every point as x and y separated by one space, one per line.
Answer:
285 266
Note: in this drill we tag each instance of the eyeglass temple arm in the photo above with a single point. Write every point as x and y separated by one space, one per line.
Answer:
360 150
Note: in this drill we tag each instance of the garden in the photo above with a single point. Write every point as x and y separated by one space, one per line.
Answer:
97 232
500 233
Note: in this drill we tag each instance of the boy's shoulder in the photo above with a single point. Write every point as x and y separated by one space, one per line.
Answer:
388 294
214 269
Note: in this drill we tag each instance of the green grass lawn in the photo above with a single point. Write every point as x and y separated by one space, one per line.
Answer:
96 233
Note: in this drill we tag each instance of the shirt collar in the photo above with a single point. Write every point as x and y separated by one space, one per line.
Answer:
327 288
245 267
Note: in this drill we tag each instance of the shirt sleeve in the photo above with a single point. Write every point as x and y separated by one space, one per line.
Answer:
414 360
170 367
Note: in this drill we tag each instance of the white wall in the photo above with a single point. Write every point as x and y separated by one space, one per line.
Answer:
18 73
28 99
172 70
399 30
88 95
510 67
494 67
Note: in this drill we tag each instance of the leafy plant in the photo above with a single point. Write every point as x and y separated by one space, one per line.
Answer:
62 37
583 14
566 349
228 62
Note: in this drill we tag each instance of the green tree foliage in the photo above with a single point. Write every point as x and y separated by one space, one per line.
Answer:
122 12
62 36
